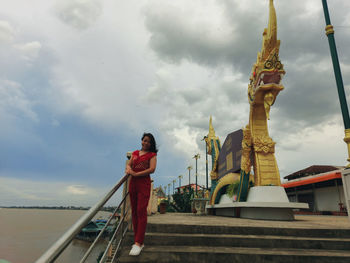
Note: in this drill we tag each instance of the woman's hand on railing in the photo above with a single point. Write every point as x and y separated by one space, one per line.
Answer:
130 171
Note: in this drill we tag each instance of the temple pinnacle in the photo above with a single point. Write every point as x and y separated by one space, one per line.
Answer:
211 129
272 28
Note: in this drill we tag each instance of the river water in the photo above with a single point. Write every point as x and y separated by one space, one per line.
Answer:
25 234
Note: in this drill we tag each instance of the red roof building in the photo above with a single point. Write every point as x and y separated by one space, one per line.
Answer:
193 186
318 185
312 170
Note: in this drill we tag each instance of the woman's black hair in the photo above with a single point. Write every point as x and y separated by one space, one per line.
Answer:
153 147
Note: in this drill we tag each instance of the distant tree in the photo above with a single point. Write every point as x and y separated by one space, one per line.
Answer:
183 200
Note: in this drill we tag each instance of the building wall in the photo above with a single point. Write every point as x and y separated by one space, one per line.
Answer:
328 198
323 199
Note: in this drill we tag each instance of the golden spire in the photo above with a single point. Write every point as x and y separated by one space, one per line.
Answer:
270 34
272 28
211 129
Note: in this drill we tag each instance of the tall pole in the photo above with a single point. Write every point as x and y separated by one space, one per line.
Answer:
189 168
180 176
338 77
197 156
196 176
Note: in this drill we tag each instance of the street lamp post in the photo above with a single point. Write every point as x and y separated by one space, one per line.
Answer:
338 76
189 168
197 156
180 176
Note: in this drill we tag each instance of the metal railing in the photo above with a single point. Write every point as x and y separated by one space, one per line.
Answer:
60 245
112 241
87 253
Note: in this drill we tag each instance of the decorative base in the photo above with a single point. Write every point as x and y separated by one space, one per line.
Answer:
199 205
263 202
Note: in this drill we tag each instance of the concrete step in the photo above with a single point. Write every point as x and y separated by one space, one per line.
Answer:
217 242
189 254
247 230
225 240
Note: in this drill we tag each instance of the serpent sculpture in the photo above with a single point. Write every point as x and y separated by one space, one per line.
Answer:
265 83
213 148
257 146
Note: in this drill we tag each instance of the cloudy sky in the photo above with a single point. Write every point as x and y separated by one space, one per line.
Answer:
81 80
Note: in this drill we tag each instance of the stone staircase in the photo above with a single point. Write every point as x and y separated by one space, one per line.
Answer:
195 243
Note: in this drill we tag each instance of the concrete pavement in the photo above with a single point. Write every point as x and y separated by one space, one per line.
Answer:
301 221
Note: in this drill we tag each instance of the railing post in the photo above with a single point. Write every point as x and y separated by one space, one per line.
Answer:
125 192
127 204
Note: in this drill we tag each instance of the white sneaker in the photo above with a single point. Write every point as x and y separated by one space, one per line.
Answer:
135 250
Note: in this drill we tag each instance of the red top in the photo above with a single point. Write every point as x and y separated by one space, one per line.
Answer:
141 162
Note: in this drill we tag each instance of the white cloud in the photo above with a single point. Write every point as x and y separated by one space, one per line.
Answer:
187 100
102 73
77 190
194 30
29 51
80 14
317 145
14 102
7 32
185 140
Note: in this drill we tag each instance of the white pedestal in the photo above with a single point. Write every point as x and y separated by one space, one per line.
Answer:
274 202
267 194
345 176
263 202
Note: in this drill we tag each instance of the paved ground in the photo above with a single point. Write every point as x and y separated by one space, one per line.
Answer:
301 221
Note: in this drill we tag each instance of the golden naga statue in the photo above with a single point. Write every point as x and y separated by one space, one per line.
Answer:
213 148
264 86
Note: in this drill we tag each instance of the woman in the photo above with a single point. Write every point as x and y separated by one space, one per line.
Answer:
142 163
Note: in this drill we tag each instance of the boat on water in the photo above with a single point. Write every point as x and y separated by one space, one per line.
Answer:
93 228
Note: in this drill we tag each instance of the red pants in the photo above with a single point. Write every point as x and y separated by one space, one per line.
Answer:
139 190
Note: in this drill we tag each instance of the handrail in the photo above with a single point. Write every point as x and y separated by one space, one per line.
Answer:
87 253
120 241
57 248
113 237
